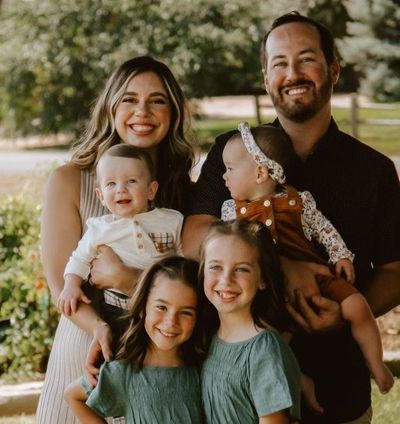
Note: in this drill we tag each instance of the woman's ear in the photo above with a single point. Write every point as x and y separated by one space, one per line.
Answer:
262 174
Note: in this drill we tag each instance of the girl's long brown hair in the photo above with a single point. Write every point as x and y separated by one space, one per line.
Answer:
135 341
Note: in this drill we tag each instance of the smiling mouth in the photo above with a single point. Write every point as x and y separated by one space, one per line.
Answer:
141 128
124 201
227 295
167 333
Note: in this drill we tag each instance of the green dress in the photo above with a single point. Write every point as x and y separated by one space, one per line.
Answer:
153 395
246 380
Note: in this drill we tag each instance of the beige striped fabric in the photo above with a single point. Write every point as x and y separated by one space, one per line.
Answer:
68 354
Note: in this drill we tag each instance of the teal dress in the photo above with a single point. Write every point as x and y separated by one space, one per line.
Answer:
153 395
246 380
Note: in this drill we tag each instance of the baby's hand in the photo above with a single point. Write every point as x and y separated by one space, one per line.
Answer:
67 302
345 266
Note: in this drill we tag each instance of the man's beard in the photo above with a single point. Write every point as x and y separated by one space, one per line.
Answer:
297 111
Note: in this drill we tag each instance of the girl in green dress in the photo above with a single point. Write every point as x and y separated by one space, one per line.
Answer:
154 378
250 374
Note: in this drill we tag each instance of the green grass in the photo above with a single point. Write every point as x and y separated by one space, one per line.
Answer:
385 407
385 138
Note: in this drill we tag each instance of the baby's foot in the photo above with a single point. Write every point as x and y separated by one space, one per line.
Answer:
383 378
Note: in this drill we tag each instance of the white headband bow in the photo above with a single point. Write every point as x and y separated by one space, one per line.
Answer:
275 170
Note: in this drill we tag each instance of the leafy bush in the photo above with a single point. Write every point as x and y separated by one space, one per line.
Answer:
27 316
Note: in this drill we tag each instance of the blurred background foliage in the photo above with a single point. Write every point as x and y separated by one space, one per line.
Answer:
56 55
27 315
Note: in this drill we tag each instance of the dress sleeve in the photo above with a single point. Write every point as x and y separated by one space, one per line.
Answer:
317 227
228 210
209 191
107 398
274 376
80 260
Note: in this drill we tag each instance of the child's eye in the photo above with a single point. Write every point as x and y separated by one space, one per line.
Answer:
188 313
161 307
215 267
242 269
132 181
110 184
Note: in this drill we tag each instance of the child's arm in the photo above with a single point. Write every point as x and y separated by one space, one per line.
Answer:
316 226
345 266
76 397
72 293
279 417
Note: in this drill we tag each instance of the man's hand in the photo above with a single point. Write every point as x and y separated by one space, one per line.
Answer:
99 348
301 275
320 315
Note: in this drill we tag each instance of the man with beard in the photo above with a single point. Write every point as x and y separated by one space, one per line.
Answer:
357 189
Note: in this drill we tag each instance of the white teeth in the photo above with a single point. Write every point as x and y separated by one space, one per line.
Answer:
139 128
225 295
295 91
167 334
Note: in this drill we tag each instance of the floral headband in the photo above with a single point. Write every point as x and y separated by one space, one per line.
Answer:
275 170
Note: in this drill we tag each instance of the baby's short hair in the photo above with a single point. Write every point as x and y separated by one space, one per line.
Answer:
128 151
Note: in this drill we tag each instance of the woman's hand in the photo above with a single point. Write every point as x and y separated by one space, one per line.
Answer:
99 350
108 271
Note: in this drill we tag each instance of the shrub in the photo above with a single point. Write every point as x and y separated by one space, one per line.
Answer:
27 316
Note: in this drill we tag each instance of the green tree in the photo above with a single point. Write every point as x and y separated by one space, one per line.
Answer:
373 46
55 56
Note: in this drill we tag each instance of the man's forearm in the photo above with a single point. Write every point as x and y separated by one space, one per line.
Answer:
383 292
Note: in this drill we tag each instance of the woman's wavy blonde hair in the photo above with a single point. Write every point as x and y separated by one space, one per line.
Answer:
175 152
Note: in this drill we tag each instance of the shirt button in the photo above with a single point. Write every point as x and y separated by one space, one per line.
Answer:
243 210
268 222
140 246
136 222
267 203
139 235
292 202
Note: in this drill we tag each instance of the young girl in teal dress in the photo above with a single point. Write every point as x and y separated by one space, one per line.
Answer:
250 374
154 378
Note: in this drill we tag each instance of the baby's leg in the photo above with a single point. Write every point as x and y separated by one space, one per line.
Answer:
355 309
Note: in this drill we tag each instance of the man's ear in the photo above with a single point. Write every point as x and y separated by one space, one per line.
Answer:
262 174
153 187
99 195
265 81
335 71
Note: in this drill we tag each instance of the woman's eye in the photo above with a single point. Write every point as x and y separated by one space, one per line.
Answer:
279 64
158 101
129 100
161 307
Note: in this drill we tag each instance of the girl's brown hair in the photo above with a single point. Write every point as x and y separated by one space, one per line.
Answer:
135 341
175 151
